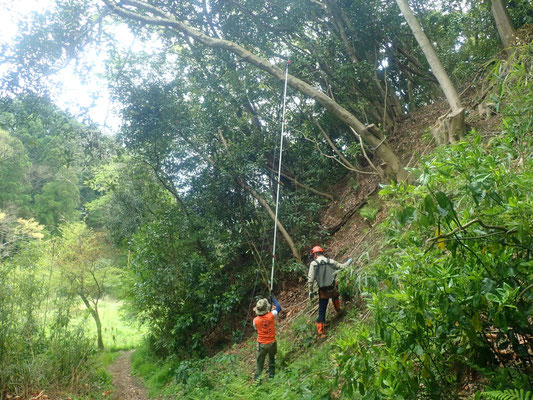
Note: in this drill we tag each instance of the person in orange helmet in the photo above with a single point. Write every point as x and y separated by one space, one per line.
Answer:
323 271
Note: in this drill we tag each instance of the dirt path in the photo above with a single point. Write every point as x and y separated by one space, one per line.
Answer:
127 386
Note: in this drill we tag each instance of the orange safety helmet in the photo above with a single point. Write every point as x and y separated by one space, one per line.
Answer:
317 249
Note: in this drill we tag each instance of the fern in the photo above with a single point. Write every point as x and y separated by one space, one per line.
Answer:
511 394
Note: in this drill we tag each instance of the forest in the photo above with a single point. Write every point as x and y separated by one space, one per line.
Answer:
396 133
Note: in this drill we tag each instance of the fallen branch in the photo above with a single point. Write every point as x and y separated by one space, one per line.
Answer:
39 396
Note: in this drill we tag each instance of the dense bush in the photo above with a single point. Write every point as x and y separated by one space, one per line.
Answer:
179 293
451 298
42 347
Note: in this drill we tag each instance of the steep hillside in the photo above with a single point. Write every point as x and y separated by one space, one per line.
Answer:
438 298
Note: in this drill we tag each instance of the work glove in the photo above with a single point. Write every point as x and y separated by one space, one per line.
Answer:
350 261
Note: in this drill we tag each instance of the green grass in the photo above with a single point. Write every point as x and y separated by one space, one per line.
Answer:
118 332
305 368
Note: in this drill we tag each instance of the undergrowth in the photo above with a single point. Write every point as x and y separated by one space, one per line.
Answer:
305 369
451 296
99 383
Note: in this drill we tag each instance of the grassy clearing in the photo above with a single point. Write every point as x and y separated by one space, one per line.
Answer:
118 332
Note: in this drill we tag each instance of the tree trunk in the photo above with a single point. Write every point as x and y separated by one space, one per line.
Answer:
150 15
449 128
436 66
331 8
456 122
281 228
339 21
411 93
391 163
96 317
503 23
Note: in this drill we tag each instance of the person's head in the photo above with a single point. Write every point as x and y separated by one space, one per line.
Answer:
317 251
262 307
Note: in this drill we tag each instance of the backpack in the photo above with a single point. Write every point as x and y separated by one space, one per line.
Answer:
325 274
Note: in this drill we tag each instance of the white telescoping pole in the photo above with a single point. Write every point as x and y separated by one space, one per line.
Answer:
279 177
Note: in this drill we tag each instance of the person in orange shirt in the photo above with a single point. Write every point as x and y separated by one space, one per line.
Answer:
265 326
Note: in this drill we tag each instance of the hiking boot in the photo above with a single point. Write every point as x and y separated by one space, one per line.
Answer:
321 330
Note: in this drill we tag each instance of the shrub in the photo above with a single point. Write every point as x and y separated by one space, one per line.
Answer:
451 296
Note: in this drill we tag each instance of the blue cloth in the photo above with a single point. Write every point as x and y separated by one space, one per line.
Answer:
278 307
322 308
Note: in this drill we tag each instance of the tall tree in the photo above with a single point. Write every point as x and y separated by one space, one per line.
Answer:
85 260
14 168
58 201
455 126
503 22
186 131
59 153
150 15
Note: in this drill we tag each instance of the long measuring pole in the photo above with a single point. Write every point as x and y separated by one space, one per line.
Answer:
279 177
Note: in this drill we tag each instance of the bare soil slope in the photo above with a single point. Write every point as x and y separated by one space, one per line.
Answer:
351 234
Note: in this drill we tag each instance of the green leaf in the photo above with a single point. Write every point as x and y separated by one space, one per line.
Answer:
443 200
429 205
424 220
492 297
476 322
408 214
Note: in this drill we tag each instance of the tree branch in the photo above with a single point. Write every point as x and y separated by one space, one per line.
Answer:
298 183
160 18
463 227
378 171
331 144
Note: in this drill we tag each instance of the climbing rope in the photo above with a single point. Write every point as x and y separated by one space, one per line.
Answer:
279 177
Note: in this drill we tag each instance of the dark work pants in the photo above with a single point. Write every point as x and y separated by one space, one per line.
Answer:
263 350
323 301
